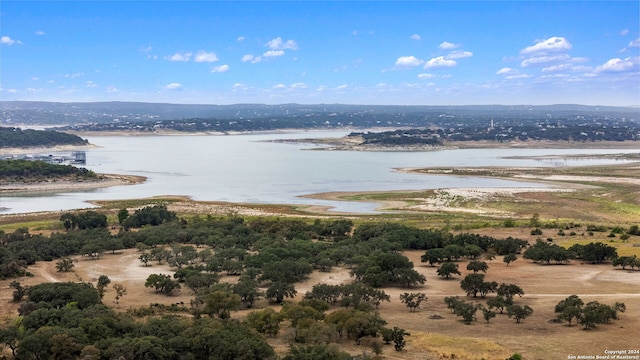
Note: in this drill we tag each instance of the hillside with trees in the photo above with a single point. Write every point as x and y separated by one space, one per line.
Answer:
33 171
17 138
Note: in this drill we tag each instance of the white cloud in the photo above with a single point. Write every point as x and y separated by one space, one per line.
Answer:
560 67
634 43
180 56
619 65
91 84
39 32
240 87
280 86
518 76
273 53
220 69
278 44
112 89
425 76
342 87
415 37
624 31
408 62
541 60
506 71
5 40
448 46
299 86
173 86
439 62
35 78
9 91
251 59
459 54
240 38
552 44
203 56
510 73
74 75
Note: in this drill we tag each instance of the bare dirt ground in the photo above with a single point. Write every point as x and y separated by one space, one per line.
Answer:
535 337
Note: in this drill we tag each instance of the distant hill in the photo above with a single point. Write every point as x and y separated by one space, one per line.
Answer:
53 113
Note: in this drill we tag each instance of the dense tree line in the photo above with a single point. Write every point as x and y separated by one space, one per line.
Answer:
588 315
505 133
16 137
67 321
26 169
149 215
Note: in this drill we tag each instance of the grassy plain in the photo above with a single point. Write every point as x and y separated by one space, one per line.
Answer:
605 196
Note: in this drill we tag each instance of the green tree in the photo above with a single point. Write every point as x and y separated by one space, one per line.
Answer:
509 291
472 251
397 336
466 310
123 214
490 255
158 254
447 269
145 258
162 283
279 290
10 336
120 290
433 256
220 303
265 321
69 221
296 313
509 258
476 266
64 265
247 289
519 312
413 300
103 282
598 253
474 284
452 302
500 303
487 314
19 291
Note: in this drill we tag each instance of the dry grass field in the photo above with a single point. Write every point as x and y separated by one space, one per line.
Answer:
446 337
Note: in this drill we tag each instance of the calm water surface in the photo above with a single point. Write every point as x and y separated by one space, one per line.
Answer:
244 168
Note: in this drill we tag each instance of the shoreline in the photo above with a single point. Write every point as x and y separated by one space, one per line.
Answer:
355 144
105 180
44 149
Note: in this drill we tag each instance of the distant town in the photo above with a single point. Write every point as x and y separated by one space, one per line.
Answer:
408 125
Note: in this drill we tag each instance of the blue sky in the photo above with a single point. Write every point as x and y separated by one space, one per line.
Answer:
362 52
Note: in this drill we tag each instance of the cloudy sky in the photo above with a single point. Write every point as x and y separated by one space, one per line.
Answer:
418 52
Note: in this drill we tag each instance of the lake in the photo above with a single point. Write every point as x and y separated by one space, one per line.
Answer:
246 168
